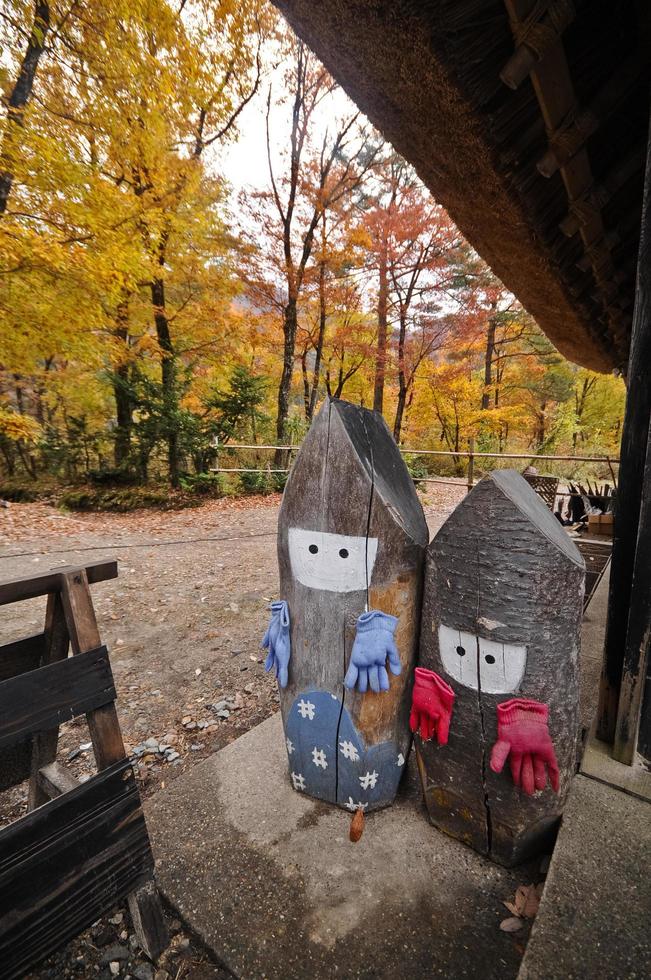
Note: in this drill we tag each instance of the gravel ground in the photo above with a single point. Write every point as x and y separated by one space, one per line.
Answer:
182 623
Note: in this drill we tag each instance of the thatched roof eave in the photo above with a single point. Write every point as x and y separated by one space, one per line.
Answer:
383 54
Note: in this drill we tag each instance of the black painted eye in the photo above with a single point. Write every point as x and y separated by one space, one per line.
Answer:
489 658
461 651
343 552
313 549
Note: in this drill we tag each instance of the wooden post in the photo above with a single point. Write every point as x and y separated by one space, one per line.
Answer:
633 732
631 475
44 745
501 619
471 463
351 535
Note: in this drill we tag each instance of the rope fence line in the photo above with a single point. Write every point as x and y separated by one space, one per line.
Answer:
445 452
470 454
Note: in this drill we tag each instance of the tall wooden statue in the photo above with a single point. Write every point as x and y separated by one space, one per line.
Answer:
351 548
496 694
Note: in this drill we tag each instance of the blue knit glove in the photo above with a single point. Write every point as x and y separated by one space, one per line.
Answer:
276 641
373 644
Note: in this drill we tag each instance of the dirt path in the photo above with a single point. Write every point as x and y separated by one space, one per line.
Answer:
182 623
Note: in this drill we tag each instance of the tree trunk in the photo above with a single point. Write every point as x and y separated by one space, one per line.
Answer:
402 381
20 96
290 322
121 393
488 363
7 451
306 384
540 426
320 340
382 328
168 379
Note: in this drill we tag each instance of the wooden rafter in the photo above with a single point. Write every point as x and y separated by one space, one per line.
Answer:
567 151
597 196
538 32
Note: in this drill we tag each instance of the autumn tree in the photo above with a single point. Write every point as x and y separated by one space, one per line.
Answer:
316 174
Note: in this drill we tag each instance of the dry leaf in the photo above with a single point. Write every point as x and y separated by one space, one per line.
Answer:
521 894
511 907
532 903
357 826
511 925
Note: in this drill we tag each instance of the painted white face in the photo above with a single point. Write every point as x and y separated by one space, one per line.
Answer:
501 665
333 562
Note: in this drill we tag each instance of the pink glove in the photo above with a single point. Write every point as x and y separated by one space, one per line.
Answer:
431 706
522 732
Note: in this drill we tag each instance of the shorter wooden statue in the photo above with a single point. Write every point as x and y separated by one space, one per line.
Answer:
342 639
495 698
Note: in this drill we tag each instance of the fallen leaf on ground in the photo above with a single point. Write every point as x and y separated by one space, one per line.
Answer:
511 925
526 901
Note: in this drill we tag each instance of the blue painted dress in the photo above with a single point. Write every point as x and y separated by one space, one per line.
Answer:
329 759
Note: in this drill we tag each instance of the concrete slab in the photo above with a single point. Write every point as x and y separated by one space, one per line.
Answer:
598 763
594 917
270 881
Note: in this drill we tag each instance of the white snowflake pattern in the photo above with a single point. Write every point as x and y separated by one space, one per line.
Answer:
298 780
401 759
349 751
369 780
306 709
351 805
319 758
290 746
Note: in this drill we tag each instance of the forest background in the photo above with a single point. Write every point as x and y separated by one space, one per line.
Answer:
201 238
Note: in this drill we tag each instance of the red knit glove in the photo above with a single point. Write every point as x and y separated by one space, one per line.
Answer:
431 706
523 734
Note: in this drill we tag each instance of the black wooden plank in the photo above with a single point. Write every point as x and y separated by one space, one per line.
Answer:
16 658
31 586
66 863
21 655
44 698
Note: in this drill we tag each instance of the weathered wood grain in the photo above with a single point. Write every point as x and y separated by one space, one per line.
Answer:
103 724
68 862
54 781
31 586
349 479
148 920
501 569
21 655
46 697
44 744
26 654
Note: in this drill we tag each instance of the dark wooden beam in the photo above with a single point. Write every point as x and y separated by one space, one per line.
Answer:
631 482
635 670
21 655
65 864
44 744
41 699
573 132
594 198
32 586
